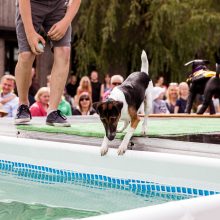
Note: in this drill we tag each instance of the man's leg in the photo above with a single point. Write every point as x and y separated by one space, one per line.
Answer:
23 75
59 75
23 81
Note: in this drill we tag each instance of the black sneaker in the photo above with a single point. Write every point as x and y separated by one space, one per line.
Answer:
57 119
23 115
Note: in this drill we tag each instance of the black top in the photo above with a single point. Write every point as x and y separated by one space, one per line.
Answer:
76 111
96 89
71 89
181 103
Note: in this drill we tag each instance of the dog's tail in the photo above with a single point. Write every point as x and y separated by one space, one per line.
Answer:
144 64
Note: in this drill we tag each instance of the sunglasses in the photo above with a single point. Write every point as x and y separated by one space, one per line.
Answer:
82 99
116 83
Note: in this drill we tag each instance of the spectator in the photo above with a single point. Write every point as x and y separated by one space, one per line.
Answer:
160 82
159 105
84 106
55 19
116 80
72 85
65 107
171 96
183 95
48 80
40 107
69 99
96 86
106 85
216 103
8 100
84 86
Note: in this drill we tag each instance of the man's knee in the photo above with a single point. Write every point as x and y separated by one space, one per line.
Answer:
26 57
62 53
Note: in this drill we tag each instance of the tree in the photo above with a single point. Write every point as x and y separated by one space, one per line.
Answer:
110 35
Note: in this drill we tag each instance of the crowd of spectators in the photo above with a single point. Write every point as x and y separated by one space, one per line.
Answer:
172 99
80 94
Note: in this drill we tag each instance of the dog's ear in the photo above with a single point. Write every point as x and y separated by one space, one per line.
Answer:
99 106
96 105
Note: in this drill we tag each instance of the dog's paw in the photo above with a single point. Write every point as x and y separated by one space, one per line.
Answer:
121 150
144 133
144 129
104 151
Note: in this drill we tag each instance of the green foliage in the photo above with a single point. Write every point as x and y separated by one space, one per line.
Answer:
110 35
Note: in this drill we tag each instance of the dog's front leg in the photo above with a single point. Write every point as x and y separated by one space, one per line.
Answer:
124 144
104 146
124 126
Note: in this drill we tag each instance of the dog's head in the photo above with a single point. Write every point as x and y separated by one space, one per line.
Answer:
109 112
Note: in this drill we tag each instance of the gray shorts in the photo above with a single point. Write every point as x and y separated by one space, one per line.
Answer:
45 13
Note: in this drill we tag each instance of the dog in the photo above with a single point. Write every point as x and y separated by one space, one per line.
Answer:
212 89
123 104
197 82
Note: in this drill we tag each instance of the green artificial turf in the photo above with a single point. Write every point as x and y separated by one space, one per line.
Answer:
155 127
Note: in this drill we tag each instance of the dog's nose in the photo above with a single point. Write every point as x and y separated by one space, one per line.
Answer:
111 136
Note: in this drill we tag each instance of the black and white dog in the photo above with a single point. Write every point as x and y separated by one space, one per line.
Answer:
123 104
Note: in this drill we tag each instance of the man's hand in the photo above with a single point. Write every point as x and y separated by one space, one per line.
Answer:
33 40
58 30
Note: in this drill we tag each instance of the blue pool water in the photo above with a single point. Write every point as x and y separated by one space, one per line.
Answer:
37 192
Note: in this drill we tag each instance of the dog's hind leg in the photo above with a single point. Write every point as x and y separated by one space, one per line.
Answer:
124 126
207 100
144 124
124 144
104 146
148 105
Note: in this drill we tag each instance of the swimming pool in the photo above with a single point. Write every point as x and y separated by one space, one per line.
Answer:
53 174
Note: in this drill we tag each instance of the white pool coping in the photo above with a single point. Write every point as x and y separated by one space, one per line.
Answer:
163 168
201 208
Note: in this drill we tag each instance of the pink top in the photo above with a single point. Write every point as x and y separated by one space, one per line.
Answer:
37 109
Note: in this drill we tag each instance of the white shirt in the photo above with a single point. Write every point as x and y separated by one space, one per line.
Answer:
11 106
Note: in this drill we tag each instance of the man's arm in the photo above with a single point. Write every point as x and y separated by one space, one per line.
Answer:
59 29
8 99
32 36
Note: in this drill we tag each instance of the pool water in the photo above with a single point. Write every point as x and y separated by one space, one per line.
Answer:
28 198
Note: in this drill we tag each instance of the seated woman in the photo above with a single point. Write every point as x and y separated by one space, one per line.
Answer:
39 108
172 96
180 106
84 105
84 86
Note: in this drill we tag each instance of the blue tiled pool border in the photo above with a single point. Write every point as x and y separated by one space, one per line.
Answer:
47 175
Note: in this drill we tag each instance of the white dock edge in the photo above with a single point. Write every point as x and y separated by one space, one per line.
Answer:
162 168
201 208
